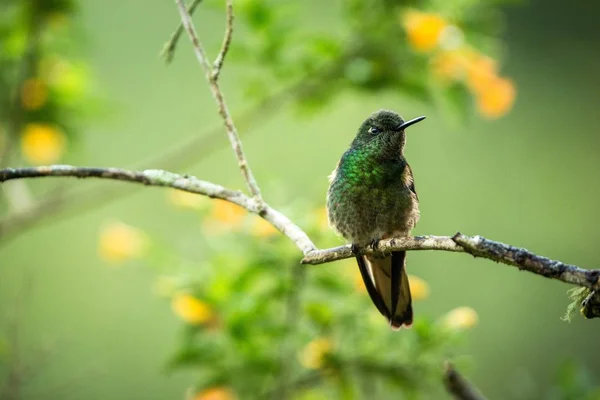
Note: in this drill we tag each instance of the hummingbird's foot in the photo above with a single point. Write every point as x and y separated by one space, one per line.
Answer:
374 244
355 249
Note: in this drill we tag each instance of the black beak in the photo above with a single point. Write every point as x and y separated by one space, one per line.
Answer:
409 123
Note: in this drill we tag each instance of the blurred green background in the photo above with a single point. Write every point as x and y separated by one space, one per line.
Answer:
529 179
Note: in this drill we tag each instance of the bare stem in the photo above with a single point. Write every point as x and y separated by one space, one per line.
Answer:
458 386
215 89
168 51
226 42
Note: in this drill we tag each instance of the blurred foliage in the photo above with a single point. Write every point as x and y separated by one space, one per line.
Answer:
254 323
574 382
257 323
445 52
44 90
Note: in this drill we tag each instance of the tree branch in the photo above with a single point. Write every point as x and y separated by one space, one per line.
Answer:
213 83
477 246
459 387
444 243
157 177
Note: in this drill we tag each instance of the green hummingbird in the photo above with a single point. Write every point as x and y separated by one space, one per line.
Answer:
371 197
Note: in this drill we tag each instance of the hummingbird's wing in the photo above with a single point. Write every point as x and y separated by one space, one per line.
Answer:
409 180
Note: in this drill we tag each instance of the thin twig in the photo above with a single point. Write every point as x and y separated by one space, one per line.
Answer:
226 42
69 203
458 386
232 133
188 25
191 151
156 177
168 51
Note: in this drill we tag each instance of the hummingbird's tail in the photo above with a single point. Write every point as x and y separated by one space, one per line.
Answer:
387 284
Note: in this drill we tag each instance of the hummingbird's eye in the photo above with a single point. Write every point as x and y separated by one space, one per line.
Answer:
373 130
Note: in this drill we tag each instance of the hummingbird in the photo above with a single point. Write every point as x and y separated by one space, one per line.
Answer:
371 197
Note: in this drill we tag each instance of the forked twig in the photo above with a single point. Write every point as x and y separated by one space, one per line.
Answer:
213 82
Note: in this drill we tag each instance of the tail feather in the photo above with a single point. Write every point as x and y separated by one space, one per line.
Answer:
389 289
396 279
365 272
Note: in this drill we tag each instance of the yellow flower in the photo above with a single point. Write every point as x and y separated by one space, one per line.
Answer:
216 393
119 242
227 212
42 144
423 29
192 310
497 98
224 216
183 199
262 228
313 355
460 318
494 95
419 289
481 70
451 65
34 94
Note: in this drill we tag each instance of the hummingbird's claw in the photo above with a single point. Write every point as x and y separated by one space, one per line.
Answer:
374 244
355 249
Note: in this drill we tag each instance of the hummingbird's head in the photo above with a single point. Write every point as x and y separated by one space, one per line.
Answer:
384 127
